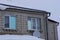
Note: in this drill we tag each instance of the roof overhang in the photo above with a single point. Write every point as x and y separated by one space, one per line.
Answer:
23 8
53 21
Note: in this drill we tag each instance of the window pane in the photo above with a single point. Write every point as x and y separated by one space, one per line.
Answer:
38 24
6 21
29 23
33 23
13 22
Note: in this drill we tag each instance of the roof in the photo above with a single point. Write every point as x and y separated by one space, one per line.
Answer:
25 9
53 21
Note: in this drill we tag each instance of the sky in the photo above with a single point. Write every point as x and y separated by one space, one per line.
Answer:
52 6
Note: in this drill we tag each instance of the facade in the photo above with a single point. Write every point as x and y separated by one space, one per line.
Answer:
24 21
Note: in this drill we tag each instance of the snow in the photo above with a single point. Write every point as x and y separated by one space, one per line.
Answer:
19 37
36 33
3 7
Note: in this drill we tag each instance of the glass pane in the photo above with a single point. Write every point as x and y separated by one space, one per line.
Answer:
29 23
33 23
6 21
38 24
13 22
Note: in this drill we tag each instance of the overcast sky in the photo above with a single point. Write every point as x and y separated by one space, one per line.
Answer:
52 6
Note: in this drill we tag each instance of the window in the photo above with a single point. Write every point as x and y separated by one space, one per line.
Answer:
6 21
10 22
34 23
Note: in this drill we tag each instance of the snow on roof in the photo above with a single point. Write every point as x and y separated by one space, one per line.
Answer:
19 37
3 7
22 8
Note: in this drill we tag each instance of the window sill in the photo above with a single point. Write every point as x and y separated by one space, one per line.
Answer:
32 30
8 29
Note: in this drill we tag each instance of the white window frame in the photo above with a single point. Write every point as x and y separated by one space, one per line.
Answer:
36 23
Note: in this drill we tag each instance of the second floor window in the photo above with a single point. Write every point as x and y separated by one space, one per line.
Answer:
34 23
10 22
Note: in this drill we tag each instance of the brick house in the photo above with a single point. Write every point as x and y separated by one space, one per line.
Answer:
24 21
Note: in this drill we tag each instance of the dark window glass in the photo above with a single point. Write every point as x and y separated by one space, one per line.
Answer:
6 21
38 23
34 23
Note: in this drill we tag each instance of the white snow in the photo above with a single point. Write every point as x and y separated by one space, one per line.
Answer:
3 7
36 33
19 37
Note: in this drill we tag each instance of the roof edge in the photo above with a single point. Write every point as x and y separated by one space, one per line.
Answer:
53 21
23 8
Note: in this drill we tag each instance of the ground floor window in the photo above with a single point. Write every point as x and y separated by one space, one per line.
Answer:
34 23
10 22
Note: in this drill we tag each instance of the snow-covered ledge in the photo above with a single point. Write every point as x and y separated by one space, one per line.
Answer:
3 7
19 37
